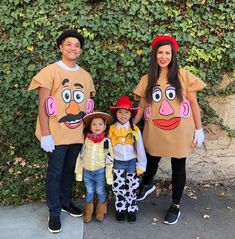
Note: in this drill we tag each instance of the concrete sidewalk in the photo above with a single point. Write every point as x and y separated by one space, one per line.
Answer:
31 221
206 213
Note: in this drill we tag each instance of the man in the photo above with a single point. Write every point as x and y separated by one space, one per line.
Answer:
64 95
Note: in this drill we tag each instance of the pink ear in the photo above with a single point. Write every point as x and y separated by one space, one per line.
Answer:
147 112
185 109
89 106
51 106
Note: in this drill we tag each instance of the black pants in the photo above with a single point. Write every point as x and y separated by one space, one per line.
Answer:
60 176
178 175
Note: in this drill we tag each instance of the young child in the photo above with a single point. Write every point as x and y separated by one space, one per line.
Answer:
94 163
130 159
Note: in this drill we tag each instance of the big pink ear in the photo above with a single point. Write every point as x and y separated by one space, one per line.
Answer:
185 109
147 112
51 106
89 106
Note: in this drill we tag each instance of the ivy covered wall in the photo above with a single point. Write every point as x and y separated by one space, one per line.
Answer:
116 53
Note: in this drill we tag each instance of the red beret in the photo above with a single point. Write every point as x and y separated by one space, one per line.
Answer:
166 38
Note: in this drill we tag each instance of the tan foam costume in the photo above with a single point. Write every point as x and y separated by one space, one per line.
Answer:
169 125
71 90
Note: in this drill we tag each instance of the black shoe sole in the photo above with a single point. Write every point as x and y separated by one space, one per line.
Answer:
54 231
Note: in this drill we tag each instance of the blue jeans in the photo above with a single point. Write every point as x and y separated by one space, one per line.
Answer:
128 166
60 176
95 182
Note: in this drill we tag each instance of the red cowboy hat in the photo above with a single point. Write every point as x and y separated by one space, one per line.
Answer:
165 38
123 103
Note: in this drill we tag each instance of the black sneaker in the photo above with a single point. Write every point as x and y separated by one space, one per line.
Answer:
131 217
120 216
172 215
144 191
54 224
72 210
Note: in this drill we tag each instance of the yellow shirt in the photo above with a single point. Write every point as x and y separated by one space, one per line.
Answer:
93 157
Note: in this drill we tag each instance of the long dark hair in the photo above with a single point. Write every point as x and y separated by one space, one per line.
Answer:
154 72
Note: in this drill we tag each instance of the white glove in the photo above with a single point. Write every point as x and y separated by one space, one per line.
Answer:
198 137
47 143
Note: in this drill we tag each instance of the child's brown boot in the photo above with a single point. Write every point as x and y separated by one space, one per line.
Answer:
89 207
101 210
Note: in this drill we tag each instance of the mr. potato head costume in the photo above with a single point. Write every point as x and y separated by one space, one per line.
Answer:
71 89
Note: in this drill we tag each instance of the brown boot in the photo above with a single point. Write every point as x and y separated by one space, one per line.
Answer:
89 207
101 210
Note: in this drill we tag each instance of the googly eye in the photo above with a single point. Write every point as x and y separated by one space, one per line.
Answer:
78 96
66 95
157 94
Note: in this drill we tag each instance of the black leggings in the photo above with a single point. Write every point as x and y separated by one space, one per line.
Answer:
178 175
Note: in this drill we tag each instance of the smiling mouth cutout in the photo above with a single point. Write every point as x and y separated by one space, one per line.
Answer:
73 124
167 124
72 121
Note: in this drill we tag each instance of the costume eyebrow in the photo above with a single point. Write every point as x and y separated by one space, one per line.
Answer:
78 85
65 81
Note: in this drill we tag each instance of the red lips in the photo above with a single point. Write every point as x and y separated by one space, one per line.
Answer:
167 124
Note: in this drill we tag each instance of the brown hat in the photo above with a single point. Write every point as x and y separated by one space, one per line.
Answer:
70 33
97 114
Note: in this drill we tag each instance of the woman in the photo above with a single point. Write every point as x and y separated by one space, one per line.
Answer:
167 98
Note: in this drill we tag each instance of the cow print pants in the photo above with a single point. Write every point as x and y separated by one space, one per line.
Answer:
124 188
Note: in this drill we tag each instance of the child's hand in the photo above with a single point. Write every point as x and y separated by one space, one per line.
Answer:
139 171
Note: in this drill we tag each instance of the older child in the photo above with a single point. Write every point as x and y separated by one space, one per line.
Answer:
130 159
94 162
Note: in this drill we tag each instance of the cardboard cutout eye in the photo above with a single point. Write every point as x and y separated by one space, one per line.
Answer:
157 94
78 96
90 106
51 106
66 95
170 93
